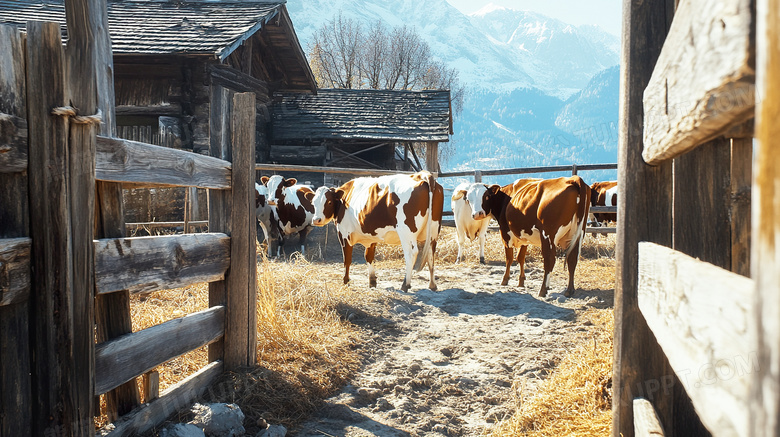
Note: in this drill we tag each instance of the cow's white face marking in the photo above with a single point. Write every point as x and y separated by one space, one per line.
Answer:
319 201
474 196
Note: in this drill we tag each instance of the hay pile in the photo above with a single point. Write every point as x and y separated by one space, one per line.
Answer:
576 400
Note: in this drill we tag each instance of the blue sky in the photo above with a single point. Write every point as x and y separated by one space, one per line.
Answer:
605 13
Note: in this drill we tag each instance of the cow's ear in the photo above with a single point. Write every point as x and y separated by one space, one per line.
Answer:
458 194
494 189
290 182
264 180
339 194
309 195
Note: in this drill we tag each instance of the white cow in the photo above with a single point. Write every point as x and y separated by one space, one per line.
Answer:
292 208
465 224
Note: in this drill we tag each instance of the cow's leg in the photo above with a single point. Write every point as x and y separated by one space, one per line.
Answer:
410 255
482 247
302 238
346 250
521 263
370 252
571 262
432 282
509 251
548 254
461 243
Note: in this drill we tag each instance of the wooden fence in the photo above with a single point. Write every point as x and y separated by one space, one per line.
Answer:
696 339
61 217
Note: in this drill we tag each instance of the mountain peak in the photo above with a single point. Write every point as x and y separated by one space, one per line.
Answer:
488 8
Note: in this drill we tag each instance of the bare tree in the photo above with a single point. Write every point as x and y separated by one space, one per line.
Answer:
374 55
335 51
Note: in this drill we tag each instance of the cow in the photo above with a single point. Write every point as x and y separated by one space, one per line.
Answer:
394 209
267 225
548 213
603 194
465 224
292 208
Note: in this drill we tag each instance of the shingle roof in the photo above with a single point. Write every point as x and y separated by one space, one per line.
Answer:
160 27
363 114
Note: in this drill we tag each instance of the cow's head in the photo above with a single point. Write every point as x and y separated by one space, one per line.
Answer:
276 184
327 205
478 198
263 209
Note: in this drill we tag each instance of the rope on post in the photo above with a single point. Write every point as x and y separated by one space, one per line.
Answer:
69 111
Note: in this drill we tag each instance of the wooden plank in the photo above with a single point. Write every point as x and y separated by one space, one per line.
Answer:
13 143
241 291
702 317
50 230
277 168
702 198
145 264
14 270
118 361
524 170
645 215
166 224
600 230
170 109
612 209
238 81
646 423
703 83
151 386
121 160
432 156
739 212
176 398
15 394
765 257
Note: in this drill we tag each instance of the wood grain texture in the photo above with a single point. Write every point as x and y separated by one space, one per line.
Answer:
241 286
703 83
739 211
146 264
131 355
273 168
238 81
701 315
130 161
176 398
765 229
13 143
14 270
646 423
15 380
645 215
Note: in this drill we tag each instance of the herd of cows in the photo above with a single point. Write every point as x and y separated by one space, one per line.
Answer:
407 210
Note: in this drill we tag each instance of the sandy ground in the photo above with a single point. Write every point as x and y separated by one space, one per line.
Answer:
454 361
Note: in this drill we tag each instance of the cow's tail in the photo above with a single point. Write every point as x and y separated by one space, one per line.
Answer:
423 253
583 207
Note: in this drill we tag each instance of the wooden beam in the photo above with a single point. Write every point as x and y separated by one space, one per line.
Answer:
702 317
145 264
274 168
171 110
739 209
600 230
608 209
348 155
166 224
432 156
525 170
14 270
765 259
241 286
176 398
646 423
121 160
236 80
645 215
703 83
151 386
118 361
13 143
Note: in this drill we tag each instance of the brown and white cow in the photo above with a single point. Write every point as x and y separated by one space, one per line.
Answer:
395 209
604 194
465 225
291 207
548 213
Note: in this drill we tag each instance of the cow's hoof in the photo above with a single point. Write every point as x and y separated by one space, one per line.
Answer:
346 280
521 282
543 292
372 283
482 260
405 287
505 282
569 292
432 287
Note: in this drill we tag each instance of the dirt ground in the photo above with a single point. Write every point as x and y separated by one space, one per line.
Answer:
455 361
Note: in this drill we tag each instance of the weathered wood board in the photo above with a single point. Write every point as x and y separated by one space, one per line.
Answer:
14 270
703 82
146 264
701 315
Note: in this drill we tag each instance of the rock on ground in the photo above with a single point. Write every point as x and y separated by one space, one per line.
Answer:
219 420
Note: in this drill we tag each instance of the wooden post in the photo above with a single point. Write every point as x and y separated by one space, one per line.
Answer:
741 172
219 200
765 261
62 202
240 302
432 156
187 217
112 311
477 176
640 368
15 395
574 169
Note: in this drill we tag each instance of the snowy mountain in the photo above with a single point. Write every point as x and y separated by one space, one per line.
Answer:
534 84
